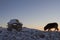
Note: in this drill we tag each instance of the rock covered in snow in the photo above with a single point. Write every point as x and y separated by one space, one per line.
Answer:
14 24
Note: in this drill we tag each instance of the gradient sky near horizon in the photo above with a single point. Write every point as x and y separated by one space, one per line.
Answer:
32 13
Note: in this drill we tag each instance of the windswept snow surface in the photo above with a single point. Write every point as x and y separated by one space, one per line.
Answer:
28 34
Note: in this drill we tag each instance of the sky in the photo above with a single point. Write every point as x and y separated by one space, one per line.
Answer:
32 13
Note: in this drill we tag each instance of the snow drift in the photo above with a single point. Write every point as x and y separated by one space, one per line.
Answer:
28 34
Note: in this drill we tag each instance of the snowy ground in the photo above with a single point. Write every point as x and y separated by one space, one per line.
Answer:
28 34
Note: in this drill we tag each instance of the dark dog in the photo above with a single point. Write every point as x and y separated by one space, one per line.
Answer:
51 25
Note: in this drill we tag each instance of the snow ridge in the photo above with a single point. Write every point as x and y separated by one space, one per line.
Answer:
28 34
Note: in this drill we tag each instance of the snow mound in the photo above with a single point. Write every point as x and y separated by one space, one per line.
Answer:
28 34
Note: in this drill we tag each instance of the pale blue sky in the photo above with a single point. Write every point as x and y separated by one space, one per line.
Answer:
30 12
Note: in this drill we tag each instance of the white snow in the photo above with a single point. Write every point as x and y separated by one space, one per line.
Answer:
28 34
13 21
